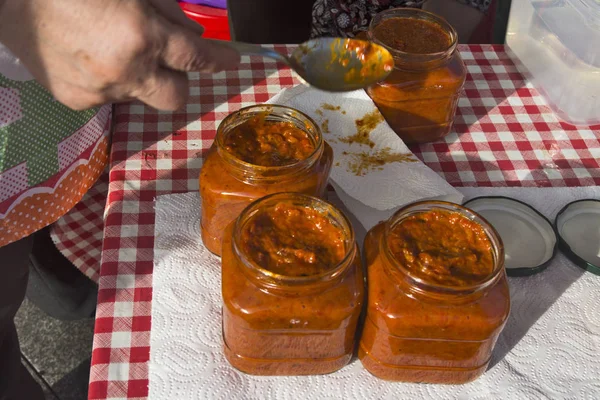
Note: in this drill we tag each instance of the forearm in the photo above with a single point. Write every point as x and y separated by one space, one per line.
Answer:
8 10
2 12
462 17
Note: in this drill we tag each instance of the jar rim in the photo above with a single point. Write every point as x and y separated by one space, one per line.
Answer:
428 205
342 221
248 112
414 13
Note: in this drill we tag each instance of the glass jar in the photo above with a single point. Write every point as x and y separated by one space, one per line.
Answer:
422 325
228 184
290 321
419 98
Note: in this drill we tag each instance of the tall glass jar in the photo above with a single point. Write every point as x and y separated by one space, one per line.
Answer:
419 98
228 184
437 323
290 320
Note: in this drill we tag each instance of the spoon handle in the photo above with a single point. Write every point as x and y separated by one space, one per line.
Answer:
249 49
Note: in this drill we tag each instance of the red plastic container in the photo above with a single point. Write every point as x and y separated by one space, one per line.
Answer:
214 20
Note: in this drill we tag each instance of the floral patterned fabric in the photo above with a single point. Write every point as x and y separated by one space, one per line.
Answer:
346 18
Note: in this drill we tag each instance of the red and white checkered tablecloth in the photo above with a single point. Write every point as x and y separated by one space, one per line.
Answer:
78 234
505 135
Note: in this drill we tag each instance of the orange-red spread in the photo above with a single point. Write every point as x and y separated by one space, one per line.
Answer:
437 297
252 157
303 319
293 240
269 143
443 247
419 98
411 35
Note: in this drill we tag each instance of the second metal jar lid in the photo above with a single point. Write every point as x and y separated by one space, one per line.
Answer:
578 229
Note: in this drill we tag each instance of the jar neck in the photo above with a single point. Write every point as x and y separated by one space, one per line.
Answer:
256 174
294 286
289 285
411 61
424 292
422 62
259 175
421 289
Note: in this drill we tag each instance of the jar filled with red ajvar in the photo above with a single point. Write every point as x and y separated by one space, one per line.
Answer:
437 295
259 150
419 98
292 287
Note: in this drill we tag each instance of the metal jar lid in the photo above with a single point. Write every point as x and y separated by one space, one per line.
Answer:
530 241
578 229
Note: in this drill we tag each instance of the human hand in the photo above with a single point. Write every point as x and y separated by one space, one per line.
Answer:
90 52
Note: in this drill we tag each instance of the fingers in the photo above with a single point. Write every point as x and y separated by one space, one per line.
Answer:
164 89
194 54
75 97
171 11
183 50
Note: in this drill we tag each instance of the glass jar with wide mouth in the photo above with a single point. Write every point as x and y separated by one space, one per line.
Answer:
437 296
419 98
292 287
259 150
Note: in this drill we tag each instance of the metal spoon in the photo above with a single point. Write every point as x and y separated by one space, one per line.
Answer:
331 64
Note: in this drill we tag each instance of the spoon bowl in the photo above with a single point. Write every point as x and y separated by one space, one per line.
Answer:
331 64
339 65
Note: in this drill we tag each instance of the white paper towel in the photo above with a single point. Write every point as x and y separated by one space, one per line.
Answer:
548 350
382 188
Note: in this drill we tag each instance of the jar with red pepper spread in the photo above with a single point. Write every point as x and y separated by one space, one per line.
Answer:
292 287
259 150
419 98
437 297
